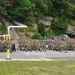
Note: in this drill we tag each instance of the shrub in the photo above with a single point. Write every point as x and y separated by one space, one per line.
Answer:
27 35
48 33
59 25
41 28
37 36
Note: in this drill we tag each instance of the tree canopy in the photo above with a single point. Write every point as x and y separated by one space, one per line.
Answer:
27 9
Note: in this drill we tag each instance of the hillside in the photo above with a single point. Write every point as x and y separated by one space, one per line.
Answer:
43 17
32 30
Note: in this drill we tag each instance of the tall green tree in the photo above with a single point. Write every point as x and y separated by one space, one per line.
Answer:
21 10
41 29
59 25
3 5
62 7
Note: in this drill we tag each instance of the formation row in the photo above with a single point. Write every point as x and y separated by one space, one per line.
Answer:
43 45
38 45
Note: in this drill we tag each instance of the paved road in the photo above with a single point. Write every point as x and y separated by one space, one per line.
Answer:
70 55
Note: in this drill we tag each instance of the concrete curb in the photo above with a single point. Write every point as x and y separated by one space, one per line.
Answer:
27 60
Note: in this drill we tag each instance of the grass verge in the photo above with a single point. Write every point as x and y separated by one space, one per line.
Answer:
37 68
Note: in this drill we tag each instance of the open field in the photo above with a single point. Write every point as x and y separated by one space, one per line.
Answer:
37 68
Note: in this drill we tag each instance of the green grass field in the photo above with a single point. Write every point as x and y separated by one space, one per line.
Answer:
37 68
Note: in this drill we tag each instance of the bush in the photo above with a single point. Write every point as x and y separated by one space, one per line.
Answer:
37 36
48 33
59 25
41 29
30 29
27 35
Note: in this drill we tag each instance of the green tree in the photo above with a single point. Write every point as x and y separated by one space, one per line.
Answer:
21 10
3 5
59 25
62 7
41 6
41 29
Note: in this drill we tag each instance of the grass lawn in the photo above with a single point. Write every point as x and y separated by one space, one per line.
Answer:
37 68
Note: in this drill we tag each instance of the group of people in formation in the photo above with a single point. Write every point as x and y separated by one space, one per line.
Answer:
38 45
44 45
7 44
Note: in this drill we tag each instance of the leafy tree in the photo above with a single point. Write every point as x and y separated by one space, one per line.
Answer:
59 25
41 29
21 10
63 7
41 6
3 5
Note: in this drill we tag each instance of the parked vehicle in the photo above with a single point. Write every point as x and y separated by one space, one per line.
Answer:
61 37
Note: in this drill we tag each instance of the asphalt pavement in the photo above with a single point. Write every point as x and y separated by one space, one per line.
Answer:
48 55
